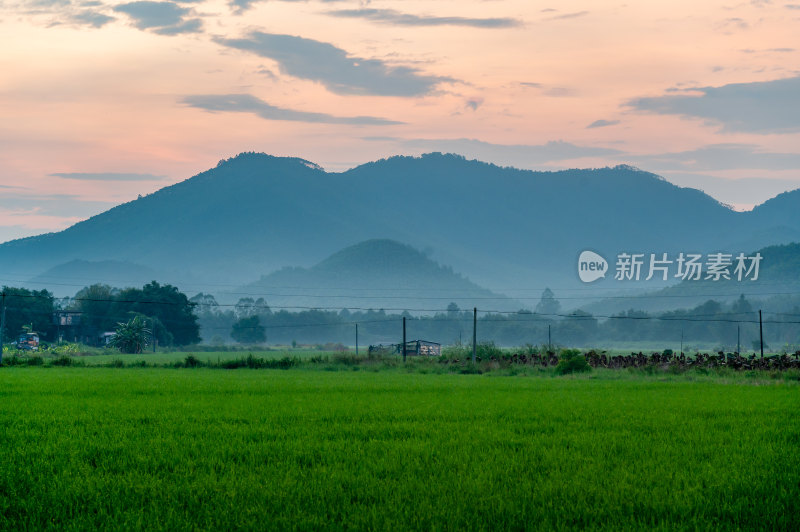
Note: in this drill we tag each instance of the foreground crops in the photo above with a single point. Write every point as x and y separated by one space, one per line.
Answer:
186 449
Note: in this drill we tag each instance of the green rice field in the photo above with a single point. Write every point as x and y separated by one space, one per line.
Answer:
87 448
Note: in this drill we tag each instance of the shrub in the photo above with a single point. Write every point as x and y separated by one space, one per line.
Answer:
456 351
191 362
131 337
233 364
529 349
486 350
471 369
258 363
346 359
63 360
572 361
281 363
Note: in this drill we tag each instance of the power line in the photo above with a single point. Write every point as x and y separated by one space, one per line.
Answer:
393 289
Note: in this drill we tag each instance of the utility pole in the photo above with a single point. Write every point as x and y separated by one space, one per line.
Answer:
738 340
549 339
681 343
153 334
404 339
761 332
2 327
474 333
356 339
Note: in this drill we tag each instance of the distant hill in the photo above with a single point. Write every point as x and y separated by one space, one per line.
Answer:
66 279
375 274
502 227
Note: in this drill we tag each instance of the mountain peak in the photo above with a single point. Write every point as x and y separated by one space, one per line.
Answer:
251 158
379 254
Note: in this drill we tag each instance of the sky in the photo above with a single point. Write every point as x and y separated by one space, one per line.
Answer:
101 101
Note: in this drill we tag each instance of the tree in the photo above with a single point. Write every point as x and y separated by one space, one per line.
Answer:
164 302
95 303
157 329
204 303
578 328
548 303
132 336
245 307
741 306
33 308
249 331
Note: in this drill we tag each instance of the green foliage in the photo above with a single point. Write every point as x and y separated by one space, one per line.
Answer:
572 361
103 307
163 336
484 350
64 349
166 303
191 362
28 308
529 349
253 362
470 369
132 336
30 361
249 331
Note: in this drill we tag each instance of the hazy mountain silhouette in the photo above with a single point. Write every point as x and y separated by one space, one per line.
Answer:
502 227
375 274
66 279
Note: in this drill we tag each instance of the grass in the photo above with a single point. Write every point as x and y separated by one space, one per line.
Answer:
203 449
103 357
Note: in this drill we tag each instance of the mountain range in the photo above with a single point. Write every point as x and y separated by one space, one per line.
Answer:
505 229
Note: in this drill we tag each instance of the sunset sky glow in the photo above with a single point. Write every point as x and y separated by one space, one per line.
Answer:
104 100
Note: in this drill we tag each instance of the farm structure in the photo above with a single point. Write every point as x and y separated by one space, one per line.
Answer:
413 348
67 322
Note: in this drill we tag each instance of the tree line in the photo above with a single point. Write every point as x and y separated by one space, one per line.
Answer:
710 324
98 309
174 319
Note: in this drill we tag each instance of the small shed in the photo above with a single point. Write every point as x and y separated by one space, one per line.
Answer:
105 338
67 318
422 348
413 348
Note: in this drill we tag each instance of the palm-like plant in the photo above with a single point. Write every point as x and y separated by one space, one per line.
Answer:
131 337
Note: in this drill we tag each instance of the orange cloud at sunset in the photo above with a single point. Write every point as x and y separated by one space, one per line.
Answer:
169 88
